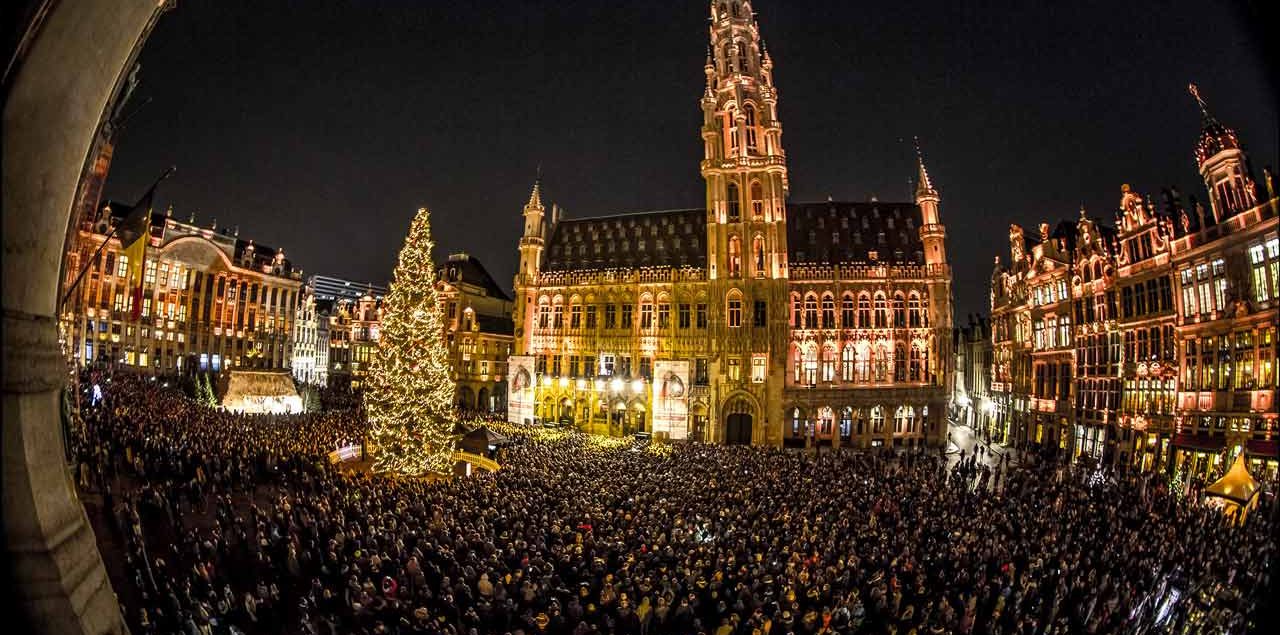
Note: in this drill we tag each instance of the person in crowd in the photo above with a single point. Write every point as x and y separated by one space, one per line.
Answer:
228 523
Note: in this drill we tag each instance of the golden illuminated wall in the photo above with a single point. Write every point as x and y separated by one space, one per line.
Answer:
201 309
615 323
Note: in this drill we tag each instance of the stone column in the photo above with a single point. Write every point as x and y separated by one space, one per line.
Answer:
72 62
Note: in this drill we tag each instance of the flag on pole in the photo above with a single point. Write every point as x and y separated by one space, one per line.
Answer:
134 234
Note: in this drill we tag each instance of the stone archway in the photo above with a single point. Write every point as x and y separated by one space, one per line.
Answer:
739 420
58 84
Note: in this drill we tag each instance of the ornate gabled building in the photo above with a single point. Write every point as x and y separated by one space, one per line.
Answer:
1168 354
1141 297
477 331
750 320
1226 264
209 301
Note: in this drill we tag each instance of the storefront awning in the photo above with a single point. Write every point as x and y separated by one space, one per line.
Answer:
1206 442
1263 449
1237 485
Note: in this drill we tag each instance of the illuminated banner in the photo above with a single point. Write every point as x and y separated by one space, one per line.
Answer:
520 397
671 399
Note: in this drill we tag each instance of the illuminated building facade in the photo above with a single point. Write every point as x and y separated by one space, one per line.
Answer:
354 329
478 331
1226 265
336 335
211 300
1153 344
971 402
751 320
310 364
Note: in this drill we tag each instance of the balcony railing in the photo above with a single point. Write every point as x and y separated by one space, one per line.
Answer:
853 271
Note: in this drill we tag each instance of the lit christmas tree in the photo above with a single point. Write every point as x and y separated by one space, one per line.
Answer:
409 394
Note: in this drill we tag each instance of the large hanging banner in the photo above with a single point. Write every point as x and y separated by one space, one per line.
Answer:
671 399
520 389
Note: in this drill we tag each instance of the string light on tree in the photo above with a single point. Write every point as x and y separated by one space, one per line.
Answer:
409 393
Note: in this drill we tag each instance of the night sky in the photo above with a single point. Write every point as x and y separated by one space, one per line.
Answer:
321 127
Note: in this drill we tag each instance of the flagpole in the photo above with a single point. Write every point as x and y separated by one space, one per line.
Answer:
85 269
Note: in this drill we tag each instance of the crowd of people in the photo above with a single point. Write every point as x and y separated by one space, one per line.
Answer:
237 524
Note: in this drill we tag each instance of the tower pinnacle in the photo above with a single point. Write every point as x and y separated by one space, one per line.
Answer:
924 185
535 197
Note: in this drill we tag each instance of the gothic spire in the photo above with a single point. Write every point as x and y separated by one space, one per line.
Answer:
924 185
535 197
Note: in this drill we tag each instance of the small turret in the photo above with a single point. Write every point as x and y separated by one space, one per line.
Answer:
535 232
1223 164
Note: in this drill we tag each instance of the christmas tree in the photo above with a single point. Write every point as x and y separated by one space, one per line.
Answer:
409 394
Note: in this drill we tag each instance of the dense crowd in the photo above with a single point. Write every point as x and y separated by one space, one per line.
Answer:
234 524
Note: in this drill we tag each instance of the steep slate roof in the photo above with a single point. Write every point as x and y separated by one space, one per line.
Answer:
824 232
669 238
466 268
830 232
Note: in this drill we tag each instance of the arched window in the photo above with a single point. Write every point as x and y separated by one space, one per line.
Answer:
915 372
735 257
826 421
864 364
796 313
846 311
797 364
828 311
848 356
877 420
757 252
899 311
728 58
828 363
914 305
742 58
731 202
757 192
900 362
811 311
646 312
864 311
882 363
810 365
544 312
734 309
882 312
797 422
749 112
900 419
911 419
846 421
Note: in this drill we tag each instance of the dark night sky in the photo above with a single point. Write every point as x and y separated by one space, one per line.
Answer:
322 126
